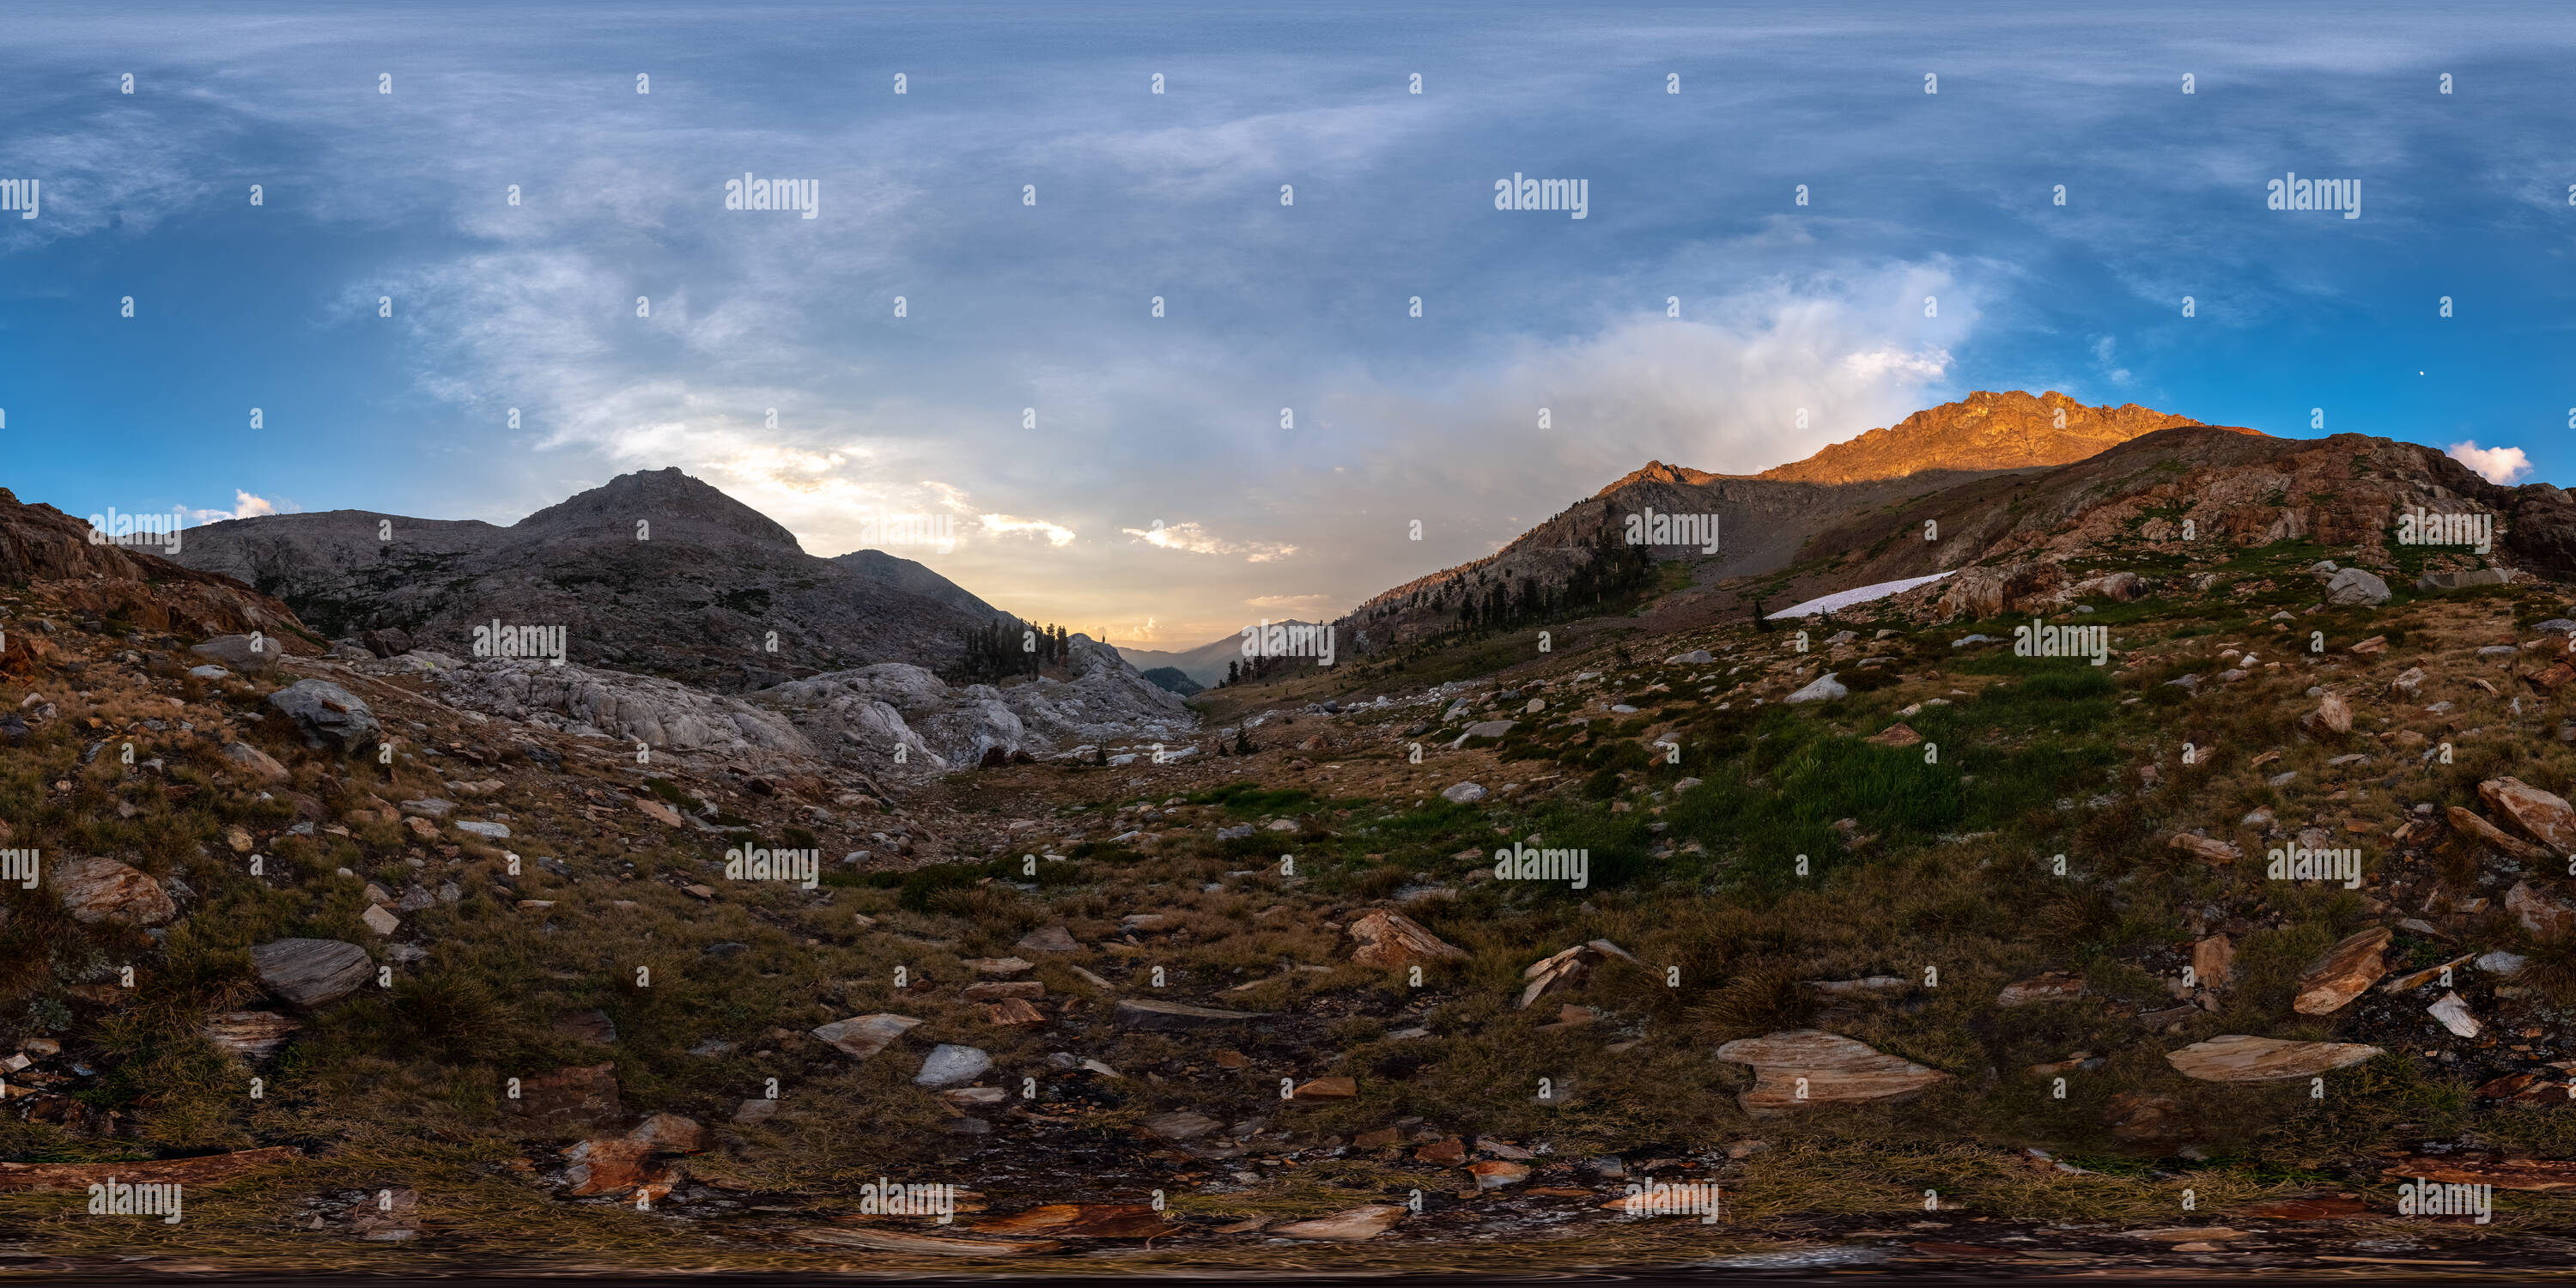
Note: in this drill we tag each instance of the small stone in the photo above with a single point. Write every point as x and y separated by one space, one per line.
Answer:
950 1064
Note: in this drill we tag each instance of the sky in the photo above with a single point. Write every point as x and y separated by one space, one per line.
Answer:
1263 446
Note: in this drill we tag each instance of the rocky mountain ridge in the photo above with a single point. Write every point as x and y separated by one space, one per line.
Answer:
653 572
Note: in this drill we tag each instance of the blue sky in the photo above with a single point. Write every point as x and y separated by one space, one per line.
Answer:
1177 420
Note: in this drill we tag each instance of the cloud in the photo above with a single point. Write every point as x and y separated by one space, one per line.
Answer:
1293 603
245 506
2504 465
1196 540
1056 535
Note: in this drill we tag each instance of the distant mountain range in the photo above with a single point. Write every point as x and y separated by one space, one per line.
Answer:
1766 520
652 572
1204 664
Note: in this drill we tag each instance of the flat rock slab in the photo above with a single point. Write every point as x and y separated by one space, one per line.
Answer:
2468 821
2542 1175
311 973
1349 1227
2240 1058
1392 940
96 890
1081 1221
861 1036
207 1170
1176 1017
2055 986
1837 1070
253 1035
2345 972
1180 1125
883 1240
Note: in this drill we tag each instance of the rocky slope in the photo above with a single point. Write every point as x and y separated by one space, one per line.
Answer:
696 599
45 549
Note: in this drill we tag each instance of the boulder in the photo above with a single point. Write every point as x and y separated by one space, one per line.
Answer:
862 1036
1393 940
2345 971
258 763
242 653
1825 688
2540 815
1696 657
2352 586
1463 793
311 973
1326 1089
386 641
329 717
1836 1069
2240 1058
615 1165
670 1133
995 990
1178 1017
2543 914
1489 729
96 890
252 1035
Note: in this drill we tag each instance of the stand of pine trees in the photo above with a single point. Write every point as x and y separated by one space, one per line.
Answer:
1006 647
